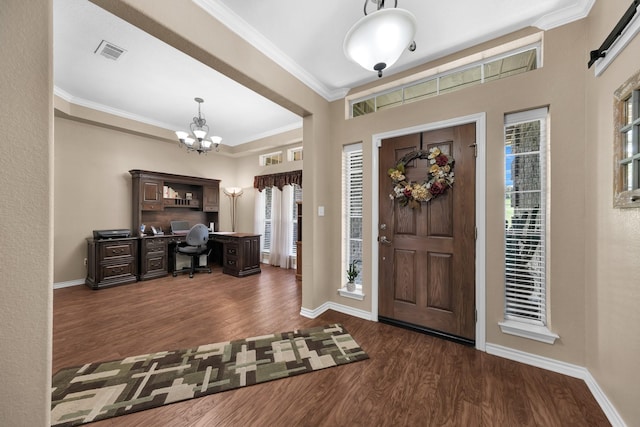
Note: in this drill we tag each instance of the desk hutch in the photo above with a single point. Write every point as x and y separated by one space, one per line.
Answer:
146 256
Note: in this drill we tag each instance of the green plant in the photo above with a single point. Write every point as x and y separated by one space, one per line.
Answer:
352 271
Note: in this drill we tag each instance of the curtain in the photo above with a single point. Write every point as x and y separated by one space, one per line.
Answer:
278 180
281 231
258 218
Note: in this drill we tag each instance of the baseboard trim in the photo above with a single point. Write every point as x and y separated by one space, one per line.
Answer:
60 285
340 308
564 368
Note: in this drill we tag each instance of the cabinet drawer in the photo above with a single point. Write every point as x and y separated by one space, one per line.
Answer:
231 262
112 271
231 249
117 249
151 206
154 245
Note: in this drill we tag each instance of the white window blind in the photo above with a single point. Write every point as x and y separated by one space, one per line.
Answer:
268 197
352 193
297 197
525 216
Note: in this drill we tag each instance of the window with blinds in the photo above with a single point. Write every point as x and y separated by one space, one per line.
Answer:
297 197
266 240
525 207
352 206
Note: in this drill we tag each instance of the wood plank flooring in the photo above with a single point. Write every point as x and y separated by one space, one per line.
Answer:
411 379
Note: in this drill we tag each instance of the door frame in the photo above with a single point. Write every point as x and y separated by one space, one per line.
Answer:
376 141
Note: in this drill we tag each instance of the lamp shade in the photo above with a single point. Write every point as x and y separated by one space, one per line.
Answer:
378 39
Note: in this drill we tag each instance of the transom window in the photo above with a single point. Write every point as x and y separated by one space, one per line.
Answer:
271 159
494 68
295 154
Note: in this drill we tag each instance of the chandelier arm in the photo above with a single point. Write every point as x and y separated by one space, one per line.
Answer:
365 7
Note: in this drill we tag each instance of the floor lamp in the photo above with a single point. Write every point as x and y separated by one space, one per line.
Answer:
233 193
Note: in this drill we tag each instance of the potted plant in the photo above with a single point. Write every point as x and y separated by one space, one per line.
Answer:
352 273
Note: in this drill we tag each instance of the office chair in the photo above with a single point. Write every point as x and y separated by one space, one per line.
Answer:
195 246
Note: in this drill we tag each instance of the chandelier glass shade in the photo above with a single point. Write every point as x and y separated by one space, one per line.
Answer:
378 39
197 140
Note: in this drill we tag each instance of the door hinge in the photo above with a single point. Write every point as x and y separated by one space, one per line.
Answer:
475 149
475 233
476 315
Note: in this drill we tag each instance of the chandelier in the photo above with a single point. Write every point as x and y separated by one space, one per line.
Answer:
197 140
378 39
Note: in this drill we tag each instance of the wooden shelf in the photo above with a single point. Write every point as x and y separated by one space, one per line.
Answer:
181 203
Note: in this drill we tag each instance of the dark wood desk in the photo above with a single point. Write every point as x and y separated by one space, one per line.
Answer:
114 262
237 253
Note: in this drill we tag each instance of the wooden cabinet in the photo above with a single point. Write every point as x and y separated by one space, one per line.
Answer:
153 257
191 199
240 253
111 262
211 196
151 194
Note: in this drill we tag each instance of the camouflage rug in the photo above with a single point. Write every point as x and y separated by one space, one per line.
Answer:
102 390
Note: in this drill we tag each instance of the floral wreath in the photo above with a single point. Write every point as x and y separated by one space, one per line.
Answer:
439 178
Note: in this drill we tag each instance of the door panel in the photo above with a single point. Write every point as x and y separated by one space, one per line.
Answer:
427 263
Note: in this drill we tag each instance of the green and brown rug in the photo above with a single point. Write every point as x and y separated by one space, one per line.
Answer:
102 390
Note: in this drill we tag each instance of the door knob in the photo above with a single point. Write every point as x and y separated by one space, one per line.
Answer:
384 240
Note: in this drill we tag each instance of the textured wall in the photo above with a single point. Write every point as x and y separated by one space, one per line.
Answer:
93 184
25 217
613 246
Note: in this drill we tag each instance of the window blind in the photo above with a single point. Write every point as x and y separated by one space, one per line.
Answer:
525 216
297 197
268 197
352 193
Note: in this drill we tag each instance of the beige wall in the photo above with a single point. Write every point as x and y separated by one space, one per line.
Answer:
612 237
26 178
560 85
93 184
593 303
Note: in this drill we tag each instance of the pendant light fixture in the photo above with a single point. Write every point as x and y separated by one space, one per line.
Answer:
197 140
378 39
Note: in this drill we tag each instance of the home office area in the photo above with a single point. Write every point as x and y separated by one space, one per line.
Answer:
66 173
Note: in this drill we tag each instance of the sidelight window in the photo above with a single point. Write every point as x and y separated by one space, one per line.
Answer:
525 211
352 185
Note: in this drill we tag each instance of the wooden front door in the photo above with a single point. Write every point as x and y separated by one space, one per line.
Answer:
427 253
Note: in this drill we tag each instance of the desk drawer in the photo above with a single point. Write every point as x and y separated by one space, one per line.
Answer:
118 271
155 245
231 249
117 250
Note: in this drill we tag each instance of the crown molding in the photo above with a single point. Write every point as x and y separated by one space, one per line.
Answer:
235 23
106 109
566 15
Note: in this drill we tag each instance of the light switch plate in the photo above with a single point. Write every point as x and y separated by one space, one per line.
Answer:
320 210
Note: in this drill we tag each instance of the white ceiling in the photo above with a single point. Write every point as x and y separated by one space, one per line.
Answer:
154 83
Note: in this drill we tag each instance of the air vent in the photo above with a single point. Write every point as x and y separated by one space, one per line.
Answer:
109 50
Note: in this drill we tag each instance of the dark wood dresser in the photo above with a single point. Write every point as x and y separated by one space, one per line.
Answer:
111 262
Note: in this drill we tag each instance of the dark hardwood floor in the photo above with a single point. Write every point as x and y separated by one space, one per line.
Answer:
410 379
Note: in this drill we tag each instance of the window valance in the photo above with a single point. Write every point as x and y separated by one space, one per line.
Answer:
278 180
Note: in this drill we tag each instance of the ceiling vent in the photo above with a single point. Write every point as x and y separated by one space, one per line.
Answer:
109 50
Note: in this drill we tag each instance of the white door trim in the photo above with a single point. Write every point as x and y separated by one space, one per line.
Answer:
376 140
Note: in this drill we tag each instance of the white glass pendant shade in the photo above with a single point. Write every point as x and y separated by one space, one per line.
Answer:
200 134
206 144
378 39
216 139
182 135
189 141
